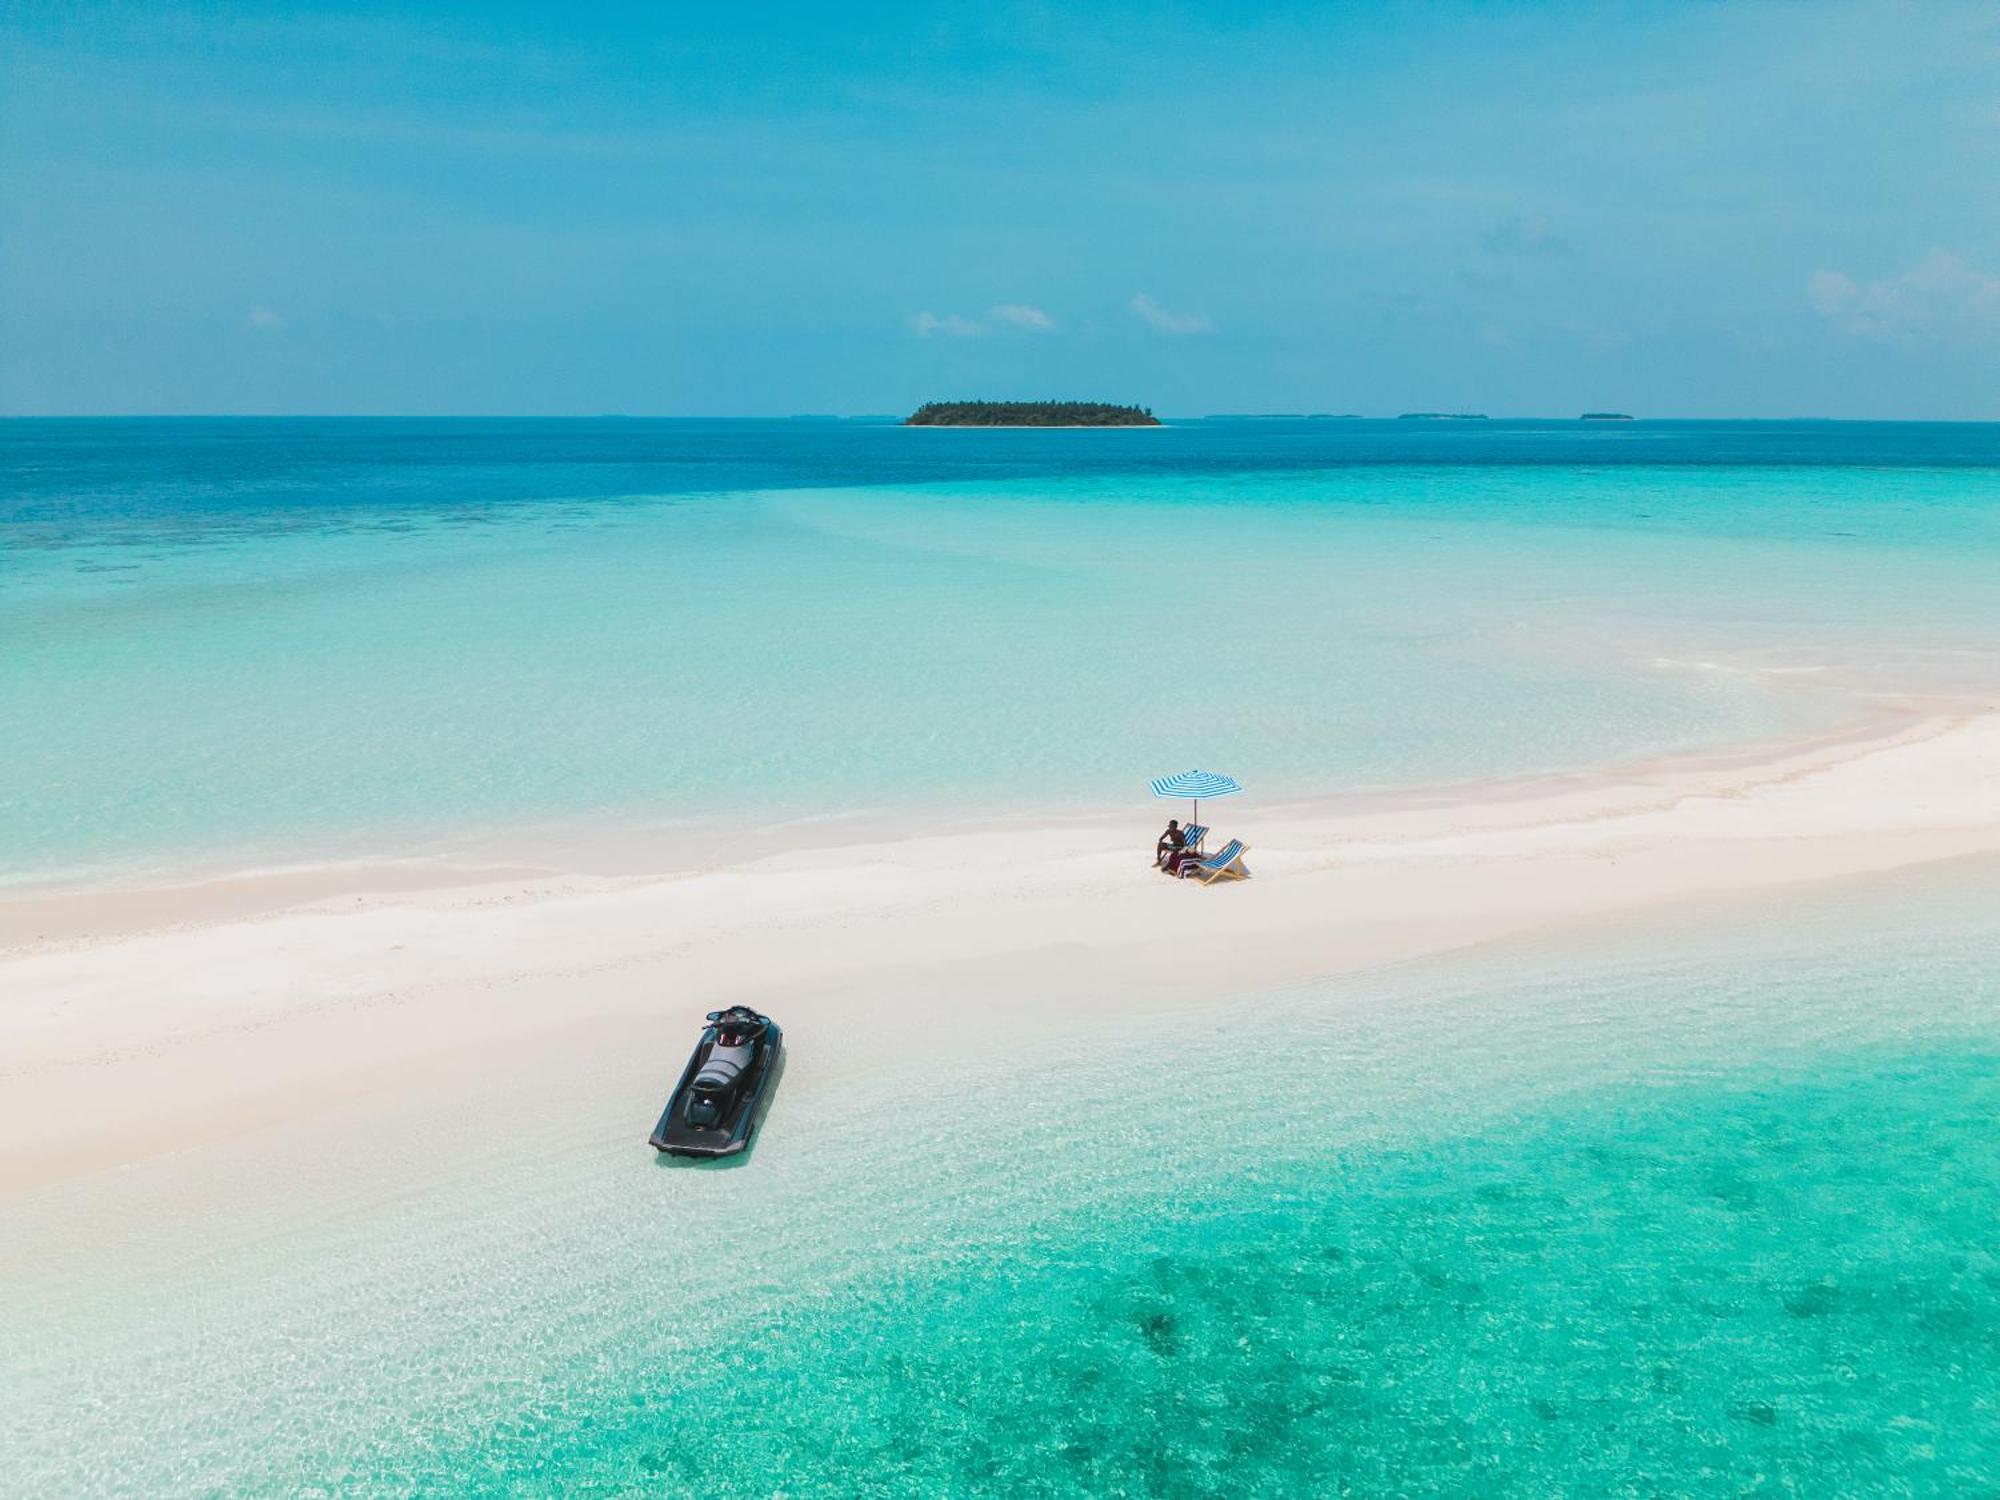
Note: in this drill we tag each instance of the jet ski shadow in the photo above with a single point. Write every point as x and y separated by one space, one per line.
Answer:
667 1162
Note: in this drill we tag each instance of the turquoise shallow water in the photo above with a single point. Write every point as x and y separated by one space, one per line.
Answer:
278 640
1781 1284
1702 1205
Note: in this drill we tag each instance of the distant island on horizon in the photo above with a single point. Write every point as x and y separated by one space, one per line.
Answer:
1605 416
1441 416
1029 414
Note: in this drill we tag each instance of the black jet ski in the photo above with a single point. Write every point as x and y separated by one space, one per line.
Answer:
725 1087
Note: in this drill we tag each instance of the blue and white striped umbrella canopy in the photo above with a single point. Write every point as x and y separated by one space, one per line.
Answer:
1196 784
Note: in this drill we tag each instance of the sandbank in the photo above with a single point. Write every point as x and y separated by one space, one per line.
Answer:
146 1020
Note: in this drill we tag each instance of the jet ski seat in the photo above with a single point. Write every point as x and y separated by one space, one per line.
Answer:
724 1066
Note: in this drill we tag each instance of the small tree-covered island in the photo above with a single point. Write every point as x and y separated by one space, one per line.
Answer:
1029 414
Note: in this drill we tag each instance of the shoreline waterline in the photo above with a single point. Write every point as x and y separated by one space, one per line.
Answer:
203 884
1697 1134
156 1019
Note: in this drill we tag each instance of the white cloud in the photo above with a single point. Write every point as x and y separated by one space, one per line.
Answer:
1941 298
263 319
1165 320
951 325
1021 315
1004 315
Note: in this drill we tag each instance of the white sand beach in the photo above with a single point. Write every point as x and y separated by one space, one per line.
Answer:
145 1021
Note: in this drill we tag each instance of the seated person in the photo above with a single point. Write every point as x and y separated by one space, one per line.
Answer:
1171 849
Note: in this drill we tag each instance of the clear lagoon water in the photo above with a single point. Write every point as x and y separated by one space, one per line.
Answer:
1703 1205
232 640
1700 1205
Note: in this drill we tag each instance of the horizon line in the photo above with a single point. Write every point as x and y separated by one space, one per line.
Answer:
890 418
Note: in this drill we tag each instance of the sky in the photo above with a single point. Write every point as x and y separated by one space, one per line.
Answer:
1680 209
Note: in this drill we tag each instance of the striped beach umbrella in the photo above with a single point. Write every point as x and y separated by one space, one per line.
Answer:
1196 785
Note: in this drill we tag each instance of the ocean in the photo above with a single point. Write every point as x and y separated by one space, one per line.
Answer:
229 642
1696 1202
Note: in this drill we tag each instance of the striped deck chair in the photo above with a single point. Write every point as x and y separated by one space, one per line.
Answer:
1225 864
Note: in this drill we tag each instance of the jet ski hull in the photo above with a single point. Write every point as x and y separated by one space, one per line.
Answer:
737 1113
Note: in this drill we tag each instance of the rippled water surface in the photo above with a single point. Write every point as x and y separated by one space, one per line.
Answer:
1699 1206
